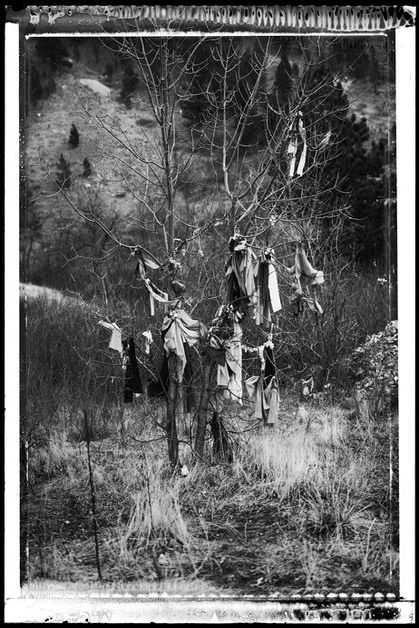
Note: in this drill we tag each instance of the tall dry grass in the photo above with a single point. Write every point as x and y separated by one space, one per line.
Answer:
304 505
302 499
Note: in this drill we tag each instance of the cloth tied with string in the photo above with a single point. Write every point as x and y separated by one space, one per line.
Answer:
297 130
229 374
305 276
115 341
133 382
241 272
267 300
263 388
179 328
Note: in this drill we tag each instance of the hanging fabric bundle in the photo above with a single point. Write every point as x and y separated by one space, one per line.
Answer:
216 351
268 300
148 340
116 336
188 378
229 374
145 260
304 271
178 288
155 295
158 388
305 276
132 374
296 130
179 328
299 299
264 387
220 331
241 272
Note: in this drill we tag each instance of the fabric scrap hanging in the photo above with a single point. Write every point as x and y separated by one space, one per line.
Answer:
304 271
155 295
188 379
268 300
264 388
158 388
229 374
241 272
305 276
179 328
132 374
148 340
297 128
215 350
144 259
116 336
298 300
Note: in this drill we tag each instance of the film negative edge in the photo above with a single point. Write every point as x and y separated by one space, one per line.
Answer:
335 18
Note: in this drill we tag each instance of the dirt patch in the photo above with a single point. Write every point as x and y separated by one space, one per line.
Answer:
31 291
96 86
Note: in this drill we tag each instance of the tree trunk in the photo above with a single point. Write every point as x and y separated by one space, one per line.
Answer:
171 430
222 448
201 426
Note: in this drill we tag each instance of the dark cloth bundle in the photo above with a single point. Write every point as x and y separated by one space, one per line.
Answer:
270 367
268 301
188 377
215 354
263 290
241 270
157 388
264 389
133 382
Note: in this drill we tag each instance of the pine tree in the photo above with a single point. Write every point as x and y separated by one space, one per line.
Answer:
87 169
64 173
74 136
359 169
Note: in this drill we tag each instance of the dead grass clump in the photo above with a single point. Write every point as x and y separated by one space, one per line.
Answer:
296 455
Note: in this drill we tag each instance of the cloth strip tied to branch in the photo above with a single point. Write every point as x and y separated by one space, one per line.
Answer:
297 125
116 336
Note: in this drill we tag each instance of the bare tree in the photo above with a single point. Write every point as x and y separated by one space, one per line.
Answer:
215 114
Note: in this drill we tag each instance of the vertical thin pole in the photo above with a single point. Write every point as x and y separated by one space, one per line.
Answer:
391 501
24 531
92 496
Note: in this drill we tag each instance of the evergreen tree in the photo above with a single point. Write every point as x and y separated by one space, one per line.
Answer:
74 136
64 173
359 170
87 169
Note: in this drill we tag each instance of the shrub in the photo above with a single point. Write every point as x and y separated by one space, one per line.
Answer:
74 136
87 168
64 173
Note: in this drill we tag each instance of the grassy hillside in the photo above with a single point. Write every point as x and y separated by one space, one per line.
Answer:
81 89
